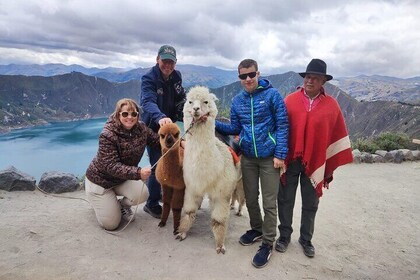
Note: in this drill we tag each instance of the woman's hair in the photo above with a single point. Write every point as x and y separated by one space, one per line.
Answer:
247 63
131 105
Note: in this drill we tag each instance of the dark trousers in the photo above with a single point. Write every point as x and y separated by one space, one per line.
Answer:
286 202
152 183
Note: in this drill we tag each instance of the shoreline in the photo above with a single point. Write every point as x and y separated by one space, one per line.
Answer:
4 130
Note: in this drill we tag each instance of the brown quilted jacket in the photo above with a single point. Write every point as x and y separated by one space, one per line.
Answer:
120 151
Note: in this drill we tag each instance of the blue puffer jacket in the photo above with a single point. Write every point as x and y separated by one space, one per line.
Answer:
260 120
160 99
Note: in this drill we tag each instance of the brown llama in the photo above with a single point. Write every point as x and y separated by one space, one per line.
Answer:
169 174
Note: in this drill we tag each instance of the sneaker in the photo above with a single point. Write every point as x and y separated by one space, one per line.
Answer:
262 256
155 211
126 212
308 248
282 243
250 237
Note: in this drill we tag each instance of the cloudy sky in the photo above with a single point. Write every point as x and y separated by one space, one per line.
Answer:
353 37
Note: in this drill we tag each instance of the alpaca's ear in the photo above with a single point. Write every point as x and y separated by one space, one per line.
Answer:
213 96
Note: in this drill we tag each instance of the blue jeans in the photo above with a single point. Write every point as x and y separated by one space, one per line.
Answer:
152 184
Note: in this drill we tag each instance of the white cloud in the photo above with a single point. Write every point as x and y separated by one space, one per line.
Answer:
353 37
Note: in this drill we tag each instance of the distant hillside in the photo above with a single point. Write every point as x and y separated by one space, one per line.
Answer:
52 69
372 88
192 74
362 88
27 101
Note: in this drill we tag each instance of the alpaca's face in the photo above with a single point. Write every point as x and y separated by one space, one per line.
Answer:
200 104
168 134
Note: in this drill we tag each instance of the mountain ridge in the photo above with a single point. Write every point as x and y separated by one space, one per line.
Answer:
32 100
209 76
361 87
376 87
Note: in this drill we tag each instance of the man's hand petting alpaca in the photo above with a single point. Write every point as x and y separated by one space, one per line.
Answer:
164 121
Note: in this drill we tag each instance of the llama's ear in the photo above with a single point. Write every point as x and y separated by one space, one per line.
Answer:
213 96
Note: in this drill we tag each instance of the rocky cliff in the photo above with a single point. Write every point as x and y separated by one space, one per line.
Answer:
27 101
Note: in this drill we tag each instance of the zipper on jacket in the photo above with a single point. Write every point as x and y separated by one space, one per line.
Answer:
272 138
252 126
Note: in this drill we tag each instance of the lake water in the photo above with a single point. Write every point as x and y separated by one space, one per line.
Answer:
65 146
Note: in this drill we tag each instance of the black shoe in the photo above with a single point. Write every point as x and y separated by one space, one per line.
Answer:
155 211
262 256
308 248
250 237
282 243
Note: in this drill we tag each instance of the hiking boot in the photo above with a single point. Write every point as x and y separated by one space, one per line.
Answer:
262 256
155 211
126 212
282 243
250 237
308 248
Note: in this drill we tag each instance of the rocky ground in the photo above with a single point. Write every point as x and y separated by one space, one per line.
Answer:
367 227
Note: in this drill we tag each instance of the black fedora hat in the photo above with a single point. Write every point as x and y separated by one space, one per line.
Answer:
317 66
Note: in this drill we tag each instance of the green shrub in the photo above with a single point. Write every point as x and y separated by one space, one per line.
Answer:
387 141
365 145
224 113
392 141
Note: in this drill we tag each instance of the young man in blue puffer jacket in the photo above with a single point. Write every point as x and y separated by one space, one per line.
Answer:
258 115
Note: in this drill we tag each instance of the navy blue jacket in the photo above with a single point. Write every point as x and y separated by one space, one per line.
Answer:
160 99
260 120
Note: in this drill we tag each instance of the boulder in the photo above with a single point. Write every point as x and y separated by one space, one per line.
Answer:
367 157
357 156
416 154
382 153
58 182
397 156
408 155
389 157
12 179
377 158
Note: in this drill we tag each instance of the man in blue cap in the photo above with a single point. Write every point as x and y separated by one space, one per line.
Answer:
162 100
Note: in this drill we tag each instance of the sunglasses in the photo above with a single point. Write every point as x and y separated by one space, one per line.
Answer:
125 114
251 75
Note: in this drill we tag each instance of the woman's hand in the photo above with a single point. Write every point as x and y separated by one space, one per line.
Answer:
145 173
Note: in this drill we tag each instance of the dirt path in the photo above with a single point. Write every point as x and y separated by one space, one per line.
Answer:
367 227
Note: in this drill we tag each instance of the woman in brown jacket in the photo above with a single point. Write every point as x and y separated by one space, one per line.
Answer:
114 170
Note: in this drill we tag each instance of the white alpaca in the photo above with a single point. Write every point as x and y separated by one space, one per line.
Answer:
208 166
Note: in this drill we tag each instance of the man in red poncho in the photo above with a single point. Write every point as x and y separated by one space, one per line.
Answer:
318 144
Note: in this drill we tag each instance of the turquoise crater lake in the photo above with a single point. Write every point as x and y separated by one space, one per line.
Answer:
65 146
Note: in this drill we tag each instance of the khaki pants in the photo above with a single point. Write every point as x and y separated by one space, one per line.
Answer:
105 202
254 172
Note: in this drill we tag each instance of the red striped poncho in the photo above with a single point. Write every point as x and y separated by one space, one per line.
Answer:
318 137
